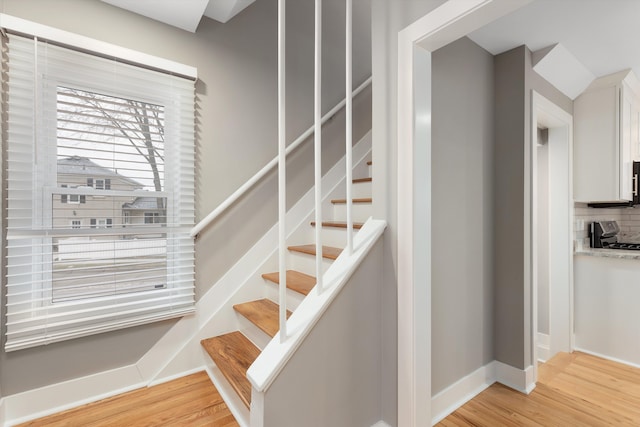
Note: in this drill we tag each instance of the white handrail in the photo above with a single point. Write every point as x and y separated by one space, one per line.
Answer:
317 146
282 176
204 222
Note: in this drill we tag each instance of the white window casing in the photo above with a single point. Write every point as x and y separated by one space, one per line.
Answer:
73 268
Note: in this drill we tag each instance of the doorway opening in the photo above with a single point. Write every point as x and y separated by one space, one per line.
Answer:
551 238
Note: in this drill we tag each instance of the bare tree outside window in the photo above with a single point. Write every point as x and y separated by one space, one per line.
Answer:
115 145
90 120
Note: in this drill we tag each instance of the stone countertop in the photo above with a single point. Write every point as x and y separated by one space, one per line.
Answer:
608 253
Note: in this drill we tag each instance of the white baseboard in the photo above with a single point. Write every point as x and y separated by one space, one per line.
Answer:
604 356
459 393
37 403
517 379
465 389
381 424
544 350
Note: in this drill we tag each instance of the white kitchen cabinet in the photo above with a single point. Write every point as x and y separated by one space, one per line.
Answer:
607 307
606 138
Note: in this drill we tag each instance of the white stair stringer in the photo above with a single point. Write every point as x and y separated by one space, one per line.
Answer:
179 350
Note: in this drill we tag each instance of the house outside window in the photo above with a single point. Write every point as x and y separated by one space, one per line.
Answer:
151 217
108 151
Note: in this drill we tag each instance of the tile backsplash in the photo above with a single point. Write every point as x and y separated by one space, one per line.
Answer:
628 220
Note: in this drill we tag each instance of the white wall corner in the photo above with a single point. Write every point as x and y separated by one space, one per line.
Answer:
2 417
543 347
224 10
37 403
381 424
462 391
563 70
517 379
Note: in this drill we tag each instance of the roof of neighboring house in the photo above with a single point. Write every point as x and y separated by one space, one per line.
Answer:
142 203
76 165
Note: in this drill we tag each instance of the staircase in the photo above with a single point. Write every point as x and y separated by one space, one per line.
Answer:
233 353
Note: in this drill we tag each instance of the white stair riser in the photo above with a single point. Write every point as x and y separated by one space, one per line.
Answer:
251 331
293 298
229 395
370 171
361 190
361 212
306 263
333 236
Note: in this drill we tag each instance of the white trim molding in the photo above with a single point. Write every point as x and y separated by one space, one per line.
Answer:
457 394
517 379
604 356
33 404
462 391
67 38
543 347
443 25
381 424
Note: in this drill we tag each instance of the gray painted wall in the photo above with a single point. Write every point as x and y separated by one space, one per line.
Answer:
509 207
514 81
462 222
236 136
333 378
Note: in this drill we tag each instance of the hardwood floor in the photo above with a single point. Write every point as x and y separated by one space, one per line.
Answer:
573 390
188 401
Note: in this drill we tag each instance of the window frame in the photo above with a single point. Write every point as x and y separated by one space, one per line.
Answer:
47 193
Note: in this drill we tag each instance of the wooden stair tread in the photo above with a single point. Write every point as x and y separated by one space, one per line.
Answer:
328 252
233 353
263 313
296 281
338 224
359 180
355 201
370 162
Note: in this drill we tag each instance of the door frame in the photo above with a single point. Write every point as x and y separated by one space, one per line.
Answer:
560 125
443 25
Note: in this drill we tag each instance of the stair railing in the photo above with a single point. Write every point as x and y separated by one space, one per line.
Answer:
282 174
283 151
317 83
229 201
349 122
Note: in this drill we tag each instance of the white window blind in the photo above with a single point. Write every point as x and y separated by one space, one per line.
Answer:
100 194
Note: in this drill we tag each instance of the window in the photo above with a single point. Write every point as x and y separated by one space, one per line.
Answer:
71 198
100 184
151 218
113 141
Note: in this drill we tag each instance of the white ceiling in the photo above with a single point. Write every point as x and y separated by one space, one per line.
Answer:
185 14
604 35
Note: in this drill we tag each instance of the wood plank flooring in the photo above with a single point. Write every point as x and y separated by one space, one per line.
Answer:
573 390
187 401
